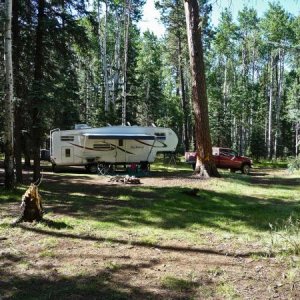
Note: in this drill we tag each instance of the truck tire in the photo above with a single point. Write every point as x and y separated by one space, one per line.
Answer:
245 169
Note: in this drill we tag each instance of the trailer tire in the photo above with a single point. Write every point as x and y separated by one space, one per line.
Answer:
91 168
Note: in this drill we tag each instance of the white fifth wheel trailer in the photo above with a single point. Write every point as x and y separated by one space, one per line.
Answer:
111 145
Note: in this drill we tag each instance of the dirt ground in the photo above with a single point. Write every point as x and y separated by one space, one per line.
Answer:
42 262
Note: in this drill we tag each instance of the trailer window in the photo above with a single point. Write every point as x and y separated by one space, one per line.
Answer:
102 147
68 152
160 135
67 138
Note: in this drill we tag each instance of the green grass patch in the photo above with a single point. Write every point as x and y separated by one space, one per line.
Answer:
177 284
227 291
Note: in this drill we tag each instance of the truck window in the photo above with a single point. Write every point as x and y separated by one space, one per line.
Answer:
224 152
233 153
121 143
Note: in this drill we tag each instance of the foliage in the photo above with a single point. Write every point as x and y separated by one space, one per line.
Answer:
247 59
286 236
294 164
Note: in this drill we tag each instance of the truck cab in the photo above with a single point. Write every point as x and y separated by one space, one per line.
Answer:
225 158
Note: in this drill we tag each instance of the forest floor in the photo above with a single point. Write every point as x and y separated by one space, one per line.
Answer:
237 237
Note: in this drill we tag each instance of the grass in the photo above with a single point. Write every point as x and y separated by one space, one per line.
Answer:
234 212
177 284
227 291
274 163
231 205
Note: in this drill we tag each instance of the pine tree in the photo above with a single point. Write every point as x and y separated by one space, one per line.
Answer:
205 163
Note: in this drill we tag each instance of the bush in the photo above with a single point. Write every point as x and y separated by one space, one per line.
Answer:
294 164
286 235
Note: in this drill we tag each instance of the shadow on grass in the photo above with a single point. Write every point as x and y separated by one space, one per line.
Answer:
165 207
169 207
104 283
142 244
261 179
55 224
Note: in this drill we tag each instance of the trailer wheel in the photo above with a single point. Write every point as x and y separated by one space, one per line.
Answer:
92 168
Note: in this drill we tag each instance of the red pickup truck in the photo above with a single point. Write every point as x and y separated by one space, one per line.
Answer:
225 158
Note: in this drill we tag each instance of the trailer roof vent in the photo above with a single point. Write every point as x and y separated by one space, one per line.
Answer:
82 126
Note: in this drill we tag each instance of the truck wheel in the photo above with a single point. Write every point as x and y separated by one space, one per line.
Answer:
246 169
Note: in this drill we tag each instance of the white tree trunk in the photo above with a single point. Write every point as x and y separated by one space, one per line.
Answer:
8 101
297 144
107 100
127 10
117 61
279 99
225 88
270 123
102 41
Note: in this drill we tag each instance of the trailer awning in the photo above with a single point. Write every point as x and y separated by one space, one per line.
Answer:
126 136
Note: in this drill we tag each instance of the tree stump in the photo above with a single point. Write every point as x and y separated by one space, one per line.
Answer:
31 206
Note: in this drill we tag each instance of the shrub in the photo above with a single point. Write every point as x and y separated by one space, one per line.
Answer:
293 164
286 235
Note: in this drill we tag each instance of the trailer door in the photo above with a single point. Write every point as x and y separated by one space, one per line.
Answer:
67 154
121 156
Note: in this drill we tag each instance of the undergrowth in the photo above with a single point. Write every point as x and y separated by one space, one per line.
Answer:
285 236
294 164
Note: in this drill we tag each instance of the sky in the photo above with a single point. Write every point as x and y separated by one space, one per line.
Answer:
151 16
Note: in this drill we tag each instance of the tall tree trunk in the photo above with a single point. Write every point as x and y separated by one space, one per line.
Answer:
184 103
117 61
146 110
297 137
205 163
270 124
127 10
18 105
279 100
102 40
8 101
38 79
